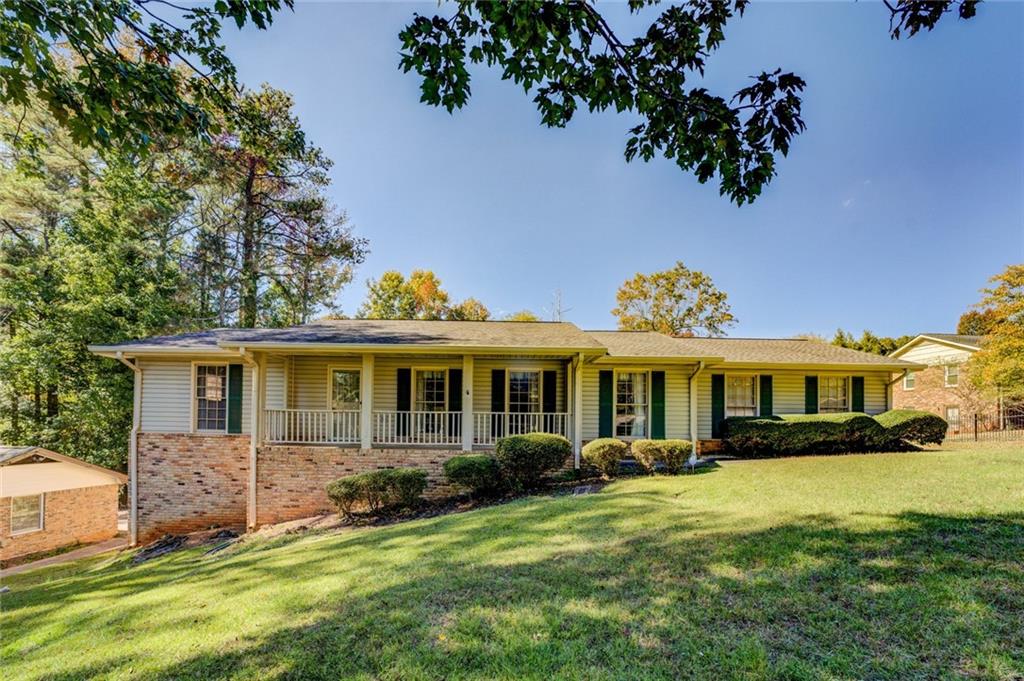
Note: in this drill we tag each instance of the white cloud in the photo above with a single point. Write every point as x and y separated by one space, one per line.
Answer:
847 202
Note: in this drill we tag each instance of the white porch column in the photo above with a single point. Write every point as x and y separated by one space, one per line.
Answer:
467 403
366 403
577 410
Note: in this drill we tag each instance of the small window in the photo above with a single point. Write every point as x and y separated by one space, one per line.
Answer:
741 396
952 375
631 404
953 417
345 389
833 394
26 514
430 390
909 381
524 392
212 397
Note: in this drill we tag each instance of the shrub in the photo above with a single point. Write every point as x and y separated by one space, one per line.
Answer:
672 453
910 425
802 434
524 459
377 490
604 454
476 472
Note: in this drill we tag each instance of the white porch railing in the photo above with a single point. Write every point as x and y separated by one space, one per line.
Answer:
489 426
312 426
417 427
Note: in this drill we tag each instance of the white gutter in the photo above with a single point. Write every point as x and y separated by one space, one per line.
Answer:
133 452
254 429
693 407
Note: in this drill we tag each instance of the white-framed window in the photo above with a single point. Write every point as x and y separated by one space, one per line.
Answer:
952 375
345 384
211 394
431 393
631 404
953 417
833 394
27 513
909 381
741 395
524 391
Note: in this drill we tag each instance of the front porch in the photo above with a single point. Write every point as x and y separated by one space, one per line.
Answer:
426 400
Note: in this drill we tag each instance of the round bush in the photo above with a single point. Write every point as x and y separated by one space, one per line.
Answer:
604 454
911 425
405 486
525 459
377 490
476 472
646 453
345 493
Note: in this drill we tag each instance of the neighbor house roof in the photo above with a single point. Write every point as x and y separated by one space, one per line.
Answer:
777 351
397 334
11 455
959 340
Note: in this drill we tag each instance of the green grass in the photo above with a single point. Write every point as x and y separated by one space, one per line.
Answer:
894 566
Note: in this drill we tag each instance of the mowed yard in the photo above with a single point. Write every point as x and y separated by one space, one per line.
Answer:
896 566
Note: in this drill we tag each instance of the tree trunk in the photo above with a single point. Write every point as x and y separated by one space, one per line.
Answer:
15 402
52 401
248 305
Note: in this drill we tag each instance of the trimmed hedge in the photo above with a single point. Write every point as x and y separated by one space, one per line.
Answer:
672 453
377 491
604 454
911 425
477 473
844 433
525 459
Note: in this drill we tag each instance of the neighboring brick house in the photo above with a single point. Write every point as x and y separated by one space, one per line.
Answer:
944 388
246 426
48 501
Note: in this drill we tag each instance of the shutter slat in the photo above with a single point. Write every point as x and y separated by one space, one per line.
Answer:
717 404
658 405
497 402
234 398
857 388
606 404
767 395
810 394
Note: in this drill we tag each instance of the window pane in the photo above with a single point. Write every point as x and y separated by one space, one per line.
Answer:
741 397
345 389
832 394
430 390
25 513
523 391
952 374
631 404
211 397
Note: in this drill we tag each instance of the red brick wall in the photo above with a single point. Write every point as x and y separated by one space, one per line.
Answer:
190 482
931 394
83 515
291 479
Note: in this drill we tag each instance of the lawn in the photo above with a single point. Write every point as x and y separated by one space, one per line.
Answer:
894 566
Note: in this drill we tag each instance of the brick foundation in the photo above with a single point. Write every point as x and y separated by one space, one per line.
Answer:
291 479
190 482
71 516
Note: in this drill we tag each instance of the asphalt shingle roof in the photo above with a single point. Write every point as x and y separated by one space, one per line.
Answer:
782 351
644 344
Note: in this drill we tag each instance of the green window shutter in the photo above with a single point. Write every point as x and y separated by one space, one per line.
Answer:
403 402
810 394
235 398
658 405
455 390
766 395
605 403
857 390
549 398
497 402
717 404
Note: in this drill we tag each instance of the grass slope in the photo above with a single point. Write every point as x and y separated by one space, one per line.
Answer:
886 566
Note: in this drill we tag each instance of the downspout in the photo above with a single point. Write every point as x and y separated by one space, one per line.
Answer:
693 410
890 384
254 411
133 451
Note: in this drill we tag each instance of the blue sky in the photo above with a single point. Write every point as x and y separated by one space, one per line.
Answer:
903 196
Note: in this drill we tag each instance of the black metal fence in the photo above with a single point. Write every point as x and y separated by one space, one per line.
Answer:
987 427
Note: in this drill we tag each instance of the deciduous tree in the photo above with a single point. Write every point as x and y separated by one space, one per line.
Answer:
869 342
678 302
1000 362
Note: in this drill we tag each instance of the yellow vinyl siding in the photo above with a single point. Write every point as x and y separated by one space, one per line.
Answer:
167 396
788 391
276 369
482 379
385 376
677 398
932 353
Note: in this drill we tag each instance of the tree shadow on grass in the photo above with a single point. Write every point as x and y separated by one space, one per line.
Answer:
583 589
